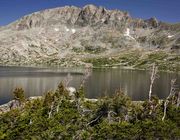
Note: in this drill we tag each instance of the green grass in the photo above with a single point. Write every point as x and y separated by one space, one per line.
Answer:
164 61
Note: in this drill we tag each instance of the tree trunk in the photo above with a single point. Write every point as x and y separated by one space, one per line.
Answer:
50 112
153 77
178 99
171 93
165 109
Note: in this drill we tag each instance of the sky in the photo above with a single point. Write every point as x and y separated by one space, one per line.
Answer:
164 10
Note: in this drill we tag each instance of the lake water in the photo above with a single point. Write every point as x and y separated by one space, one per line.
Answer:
36 81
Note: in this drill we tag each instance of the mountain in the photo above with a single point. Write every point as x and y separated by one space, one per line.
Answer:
70 36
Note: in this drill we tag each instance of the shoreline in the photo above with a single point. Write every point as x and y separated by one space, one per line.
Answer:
6 107
83 67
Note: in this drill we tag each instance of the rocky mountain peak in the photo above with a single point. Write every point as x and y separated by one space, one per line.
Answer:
153 22
88 15
68 34
90 7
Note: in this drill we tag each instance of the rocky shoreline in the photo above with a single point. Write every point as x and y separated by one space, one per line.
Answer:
15 103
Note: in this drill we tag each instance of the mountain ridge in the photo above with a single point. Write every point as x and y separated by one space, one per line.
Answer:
67 35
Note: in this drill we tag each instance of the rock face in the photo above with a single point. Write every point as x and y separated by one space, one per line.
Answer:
69 34
89 15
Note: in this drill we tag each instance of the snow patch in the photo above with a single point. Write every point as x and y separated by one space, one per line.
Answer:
119 18
67 29
56 29
170 36
127 33
103 20
73 30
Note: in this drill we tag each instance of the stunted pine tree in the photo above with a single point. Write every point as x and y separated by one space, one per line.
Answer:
49 101
79 96
19 95
61 91
49 98
80 93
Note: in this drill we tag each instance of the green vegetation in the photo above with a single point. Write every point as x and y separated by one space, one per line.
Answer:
19 95
125 59
58 116
89 49
135 59
164 61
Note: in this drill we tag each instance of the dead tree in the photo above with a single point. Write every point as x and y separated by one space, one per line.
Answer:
165 109
178 99
171 93
51 110
173 89
109 115
79 95
153 77
67 80
58 104
87 74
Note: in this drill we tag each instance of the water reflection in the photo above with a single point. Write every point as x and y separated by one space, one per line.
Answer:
135 83
102 82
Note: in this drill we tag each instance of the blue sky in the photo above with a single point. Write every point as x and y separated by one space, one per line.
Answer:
164 10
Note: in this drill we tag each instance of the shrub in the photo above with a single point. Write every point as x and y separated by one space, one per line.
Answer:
19 94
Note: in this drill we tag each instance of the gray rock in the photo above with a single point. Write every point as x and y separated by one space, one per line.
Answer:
58 36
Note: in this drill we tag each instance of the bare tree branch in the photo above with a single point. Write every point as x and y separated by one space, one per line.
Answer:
93 121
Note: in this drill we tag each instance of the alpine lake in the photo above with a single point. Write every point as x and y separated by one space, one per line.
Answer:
101 82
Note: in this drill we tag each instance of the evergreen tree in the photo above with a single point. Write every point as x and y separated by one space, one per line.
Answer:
80 94
61 91
49 98
19 95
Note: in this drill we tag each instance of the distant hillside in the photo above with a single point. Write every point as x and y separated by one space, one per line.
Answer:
69 35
